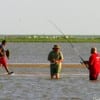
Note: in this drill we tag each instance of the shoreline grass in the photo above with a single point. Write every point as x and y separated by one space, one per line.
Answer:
51 39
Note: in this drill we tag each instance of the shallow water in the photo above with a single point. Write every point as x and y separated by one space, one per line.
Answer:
35 84
38 52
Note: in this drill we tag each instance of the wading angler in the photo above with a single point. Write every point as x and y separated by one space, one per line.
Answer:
55 57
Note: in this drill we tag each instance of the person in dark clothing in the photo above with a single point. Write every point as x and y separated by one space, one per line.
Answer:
3 57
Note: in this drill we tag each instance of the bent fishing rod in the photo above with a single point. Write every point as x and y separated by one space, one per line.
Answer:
75 49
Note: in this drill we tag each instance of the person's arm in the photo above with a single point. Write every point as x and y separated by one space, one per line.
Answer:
86 62
50 58
2 52
7 53
91 60
61 58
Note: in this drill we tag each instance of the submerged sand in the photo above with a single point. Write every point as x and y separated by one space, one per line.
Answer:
45 65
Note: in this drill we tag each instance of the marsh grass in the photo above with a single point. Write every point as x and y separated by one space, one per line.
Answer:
50 39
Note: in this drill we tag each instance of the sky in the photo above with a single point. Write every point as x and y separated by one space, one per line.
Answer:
71 17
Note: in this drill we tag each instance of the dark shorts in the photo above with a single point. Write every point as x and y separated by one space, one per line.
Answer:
55 68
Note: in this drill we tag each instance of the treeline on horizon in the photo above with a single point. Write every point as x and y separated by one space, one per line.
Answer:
51 38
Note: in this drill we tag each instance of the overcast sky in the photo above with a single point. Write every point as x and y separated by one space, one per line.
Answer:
32 16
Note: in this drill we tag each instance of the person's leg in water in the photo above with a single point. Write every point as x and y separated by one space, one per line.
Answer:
93 77
52 71
4 64
52 76
58 70
57 76
6 68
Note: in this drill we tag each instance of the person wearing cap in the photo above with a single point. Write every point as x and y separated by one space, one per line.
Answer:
55 57
94 64
3 57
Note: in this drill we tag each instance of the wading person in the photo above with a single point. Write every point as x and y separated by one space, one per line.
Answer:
3 56
94 64
55 57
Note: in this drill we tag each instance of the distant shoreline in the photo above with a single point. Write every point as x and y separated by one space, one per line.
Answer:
43 38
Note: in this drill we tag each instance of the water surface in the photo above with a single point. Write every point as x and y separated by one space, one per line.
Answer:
38 52
35 84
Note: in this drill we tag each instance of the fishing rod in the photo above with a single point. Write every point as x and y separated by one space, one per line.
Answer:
83 61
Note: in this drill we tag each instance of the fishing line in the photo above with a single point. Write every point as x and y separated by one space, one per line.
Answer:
75 49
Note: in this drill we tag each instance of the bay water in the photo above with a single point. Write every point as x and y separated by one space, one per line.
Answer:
38 52
34 83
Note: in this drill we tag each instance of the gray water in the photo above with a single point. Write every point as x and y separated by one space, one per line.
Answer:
34 83
38 52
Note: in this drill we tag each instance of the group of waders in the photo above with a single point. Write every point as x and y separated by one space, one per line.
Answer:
56 58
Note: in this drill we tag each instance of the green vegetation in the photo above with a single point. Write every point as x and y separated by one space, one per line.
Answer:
50 39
